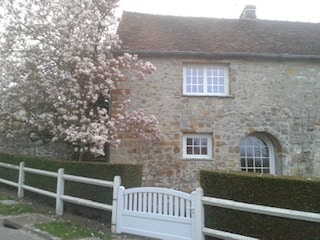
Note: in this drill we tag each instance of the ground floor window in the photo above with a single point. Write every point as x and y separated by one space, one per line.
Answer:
257 155
197 146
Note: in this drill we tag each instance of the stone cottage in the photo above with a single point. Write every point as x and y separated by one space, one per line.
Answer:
229 94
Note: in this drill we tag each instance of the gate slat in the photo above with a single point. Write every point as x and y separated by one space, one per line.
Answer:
188 209
135 201
182 208
125 202
130 202
149 202
140 203
154 205
170 205
160 196
176 206
165 204
144 202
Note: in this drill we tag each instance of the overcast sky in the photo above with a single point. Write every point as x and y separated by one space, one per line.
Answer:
284 10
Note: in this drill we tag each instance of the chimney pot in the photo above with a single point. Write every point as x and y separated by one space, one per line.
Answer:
249 12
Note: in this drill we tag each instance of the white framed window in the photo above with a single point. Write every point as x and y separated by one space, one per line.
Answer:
197 146
206 80
257 155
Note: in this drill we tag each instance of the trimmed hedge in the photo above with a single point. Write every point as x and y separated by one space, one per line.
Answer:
283 192
131 176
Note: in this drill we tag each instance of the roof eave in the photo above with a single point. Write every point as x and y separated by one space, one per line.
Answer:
227 55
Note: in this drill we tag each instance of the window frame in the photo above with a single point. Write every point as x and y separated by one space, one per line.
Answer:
209 145
205 80
271 152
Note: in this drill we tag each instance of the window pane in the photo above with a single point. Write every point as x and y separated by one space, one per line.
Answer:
249 162
214 72
266 162
221 89
258 162
196 150
243 163
196 141
194 88
204 151
189 150
204 141
189 141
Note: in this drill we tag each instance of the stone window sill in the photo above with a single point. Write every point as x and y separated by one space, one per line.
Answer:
197 159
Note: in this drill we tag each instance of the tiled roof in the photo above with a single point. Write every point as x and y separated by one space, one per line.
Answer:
158 33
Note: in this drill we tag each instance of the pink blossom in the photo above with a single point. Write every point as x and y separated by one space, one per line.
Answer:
57 75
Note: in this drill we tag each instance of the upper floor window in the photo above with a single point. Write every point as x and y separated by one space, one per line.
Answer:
257 155
197 146
206 80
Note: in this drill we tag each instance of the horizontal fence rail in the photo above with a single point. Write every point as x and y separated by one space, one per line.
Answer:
155 201
253 208
59 194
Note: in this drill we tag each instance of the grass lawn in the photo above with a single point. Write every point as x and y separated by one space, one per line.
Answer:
62 229
67 231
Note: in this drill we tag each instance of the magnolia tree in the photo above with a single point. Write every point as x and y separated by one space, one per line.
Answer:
58 74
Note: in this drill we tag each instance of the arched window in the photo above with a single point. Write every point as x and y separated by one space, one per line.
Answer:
257 155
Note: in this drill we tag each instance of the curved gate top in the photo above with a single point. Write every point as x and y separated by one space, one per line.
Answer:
156 212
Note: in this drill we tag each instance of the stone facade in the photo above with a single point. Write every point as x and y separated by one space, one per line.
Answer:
19 145
275 98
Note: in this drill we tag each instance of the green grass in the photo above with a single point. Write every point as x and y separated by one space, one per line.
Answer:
5 197
67 230
15 209
62 229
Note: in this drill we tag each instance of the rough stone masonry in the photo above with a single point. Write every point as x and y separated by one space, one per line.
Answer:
276 98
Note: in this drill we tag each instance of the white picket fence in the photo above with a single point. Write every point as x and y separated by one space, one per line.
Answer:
133 209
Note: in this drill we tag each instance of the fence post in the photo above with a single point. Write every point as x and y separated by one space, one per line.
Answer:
21 180
116 186
60 192
199 215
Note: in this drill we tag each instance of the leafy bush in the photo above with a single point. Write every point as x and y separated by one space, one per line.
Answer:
130 177
283 192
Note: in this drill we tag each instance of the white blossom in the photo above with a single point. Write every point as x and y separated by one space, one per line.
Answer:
57 75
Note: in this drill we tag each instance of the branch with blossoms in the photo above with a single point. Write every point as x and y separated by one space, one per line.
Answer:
58 75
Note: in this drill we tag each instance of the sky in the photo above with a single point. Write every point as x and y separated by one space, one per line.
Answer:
283 10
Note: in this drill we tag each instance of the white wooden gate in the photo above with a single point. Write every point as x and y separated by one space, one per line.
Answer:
156 212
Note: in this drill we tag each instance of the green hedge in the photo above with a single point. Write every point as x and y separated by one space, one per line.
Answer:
131 176
283 192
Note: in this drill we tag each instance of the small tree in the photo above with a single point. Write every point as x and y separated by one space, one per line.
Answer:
58 74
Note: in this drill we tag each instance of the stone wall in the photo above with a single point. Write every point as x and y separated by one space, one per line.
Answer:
21 146
277 98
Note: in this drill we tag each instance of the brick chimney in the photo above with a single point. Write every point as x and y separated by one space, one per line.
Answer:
249 12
